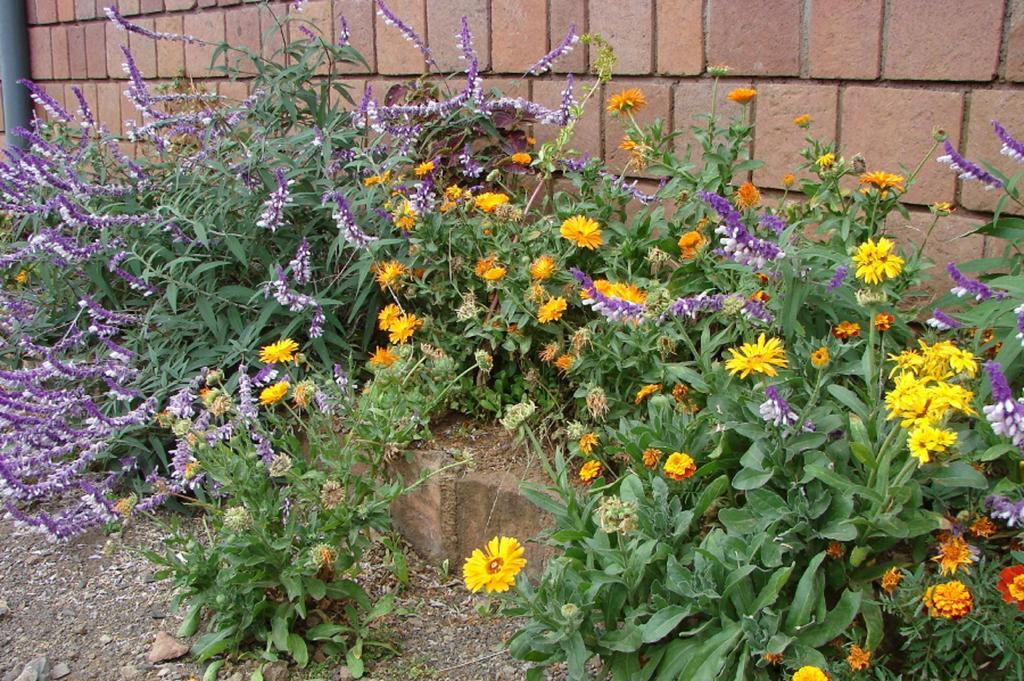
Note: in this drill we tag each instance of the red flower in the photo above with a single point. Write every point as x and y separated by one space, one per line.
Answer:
1011 585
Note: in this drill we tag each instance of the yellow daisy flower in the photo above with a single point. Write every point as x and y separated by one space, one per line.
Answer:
496 570
273 394
582 231
552 310
281 351
761 357
876 262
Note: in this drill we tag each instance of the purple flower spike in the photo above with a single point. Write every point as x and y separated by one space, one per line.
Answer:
1019 311
837 278
966 169
300 265
1001 508
942 321
49 104
273 210
564 48
122 24
346 222
406 30
1006 413
1011 147
615 309
966 286
776 410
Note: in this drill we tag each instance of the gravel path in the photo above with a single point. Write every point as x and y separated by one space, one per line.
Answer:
92 607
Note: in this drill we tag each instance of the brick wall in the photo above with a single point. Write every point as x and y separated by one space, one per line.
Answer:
877 75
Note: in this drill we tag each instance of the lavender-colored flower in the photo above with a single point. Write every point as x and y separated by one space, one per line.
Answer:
133 282
122 24
837 278
469 165
942 321
1001 508
631 188
343 32
776 410
1006 413
346 222
965 286
406 30
49 104
966 169
316 324
265 375
1011 147
736 242
615 309
772 222
273 209
563 48
1019 311
566 103
300 265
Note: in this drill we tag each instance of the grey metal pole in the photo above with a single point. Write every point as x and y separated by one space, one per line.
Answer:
15 66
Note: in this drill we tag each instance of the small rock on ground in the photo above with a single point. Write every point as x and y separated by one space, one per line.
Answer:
166 647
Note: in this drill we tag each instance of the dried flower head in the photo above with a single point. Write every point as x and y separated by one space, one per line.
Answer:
280 465
332 494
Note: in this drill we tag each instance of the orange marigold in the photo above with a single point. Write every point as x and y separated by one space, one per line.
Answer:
891 579
746 196
588 442
858 659
590 471
651 457
564 363
883 321
690 243
982 527
742 95
949 600
646 391
627 101
1011 585
802 121
679 466
844 330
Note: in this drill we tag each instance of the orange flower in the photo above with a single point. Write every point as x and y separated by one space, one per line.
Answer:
388 273
746 196
646 392
582 231
835 551
772 658
564 363
882 180
788 179
760 296
627 144
403 328
883 321
543 267
484 264
679 466
627 101
590 471
680 392
844 330
955 553
588 442
1011 585
891 579
949 600
424 168
802 121
494 273
858 659
488 202
522 158
651 457
741 95
690 243
819 357
983 528
552 310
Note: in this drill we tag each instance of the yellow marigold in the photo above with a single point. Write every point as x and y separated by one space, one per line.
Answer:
882 180
788 179
746 196
405 217
858 659
679 466
926 440
627 101
496 570
646 391
273 394
388 273
826 161
891 579
388 315
590 470
488 202
949 600
424 168
844 330
982 527
383 178
453 192
627 144
942 208
484 264
543 267
281 351
883 321
651 457
809 673
564 363
552 310
403 327
582 231
954 554
622 291
741 95
522 158
819 357
383 357
876 262
21 277
587 442
496 273
802 121
761 357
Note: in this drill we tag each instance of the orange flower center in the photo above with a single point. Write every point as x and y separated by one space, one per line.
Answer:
1016 587
494 566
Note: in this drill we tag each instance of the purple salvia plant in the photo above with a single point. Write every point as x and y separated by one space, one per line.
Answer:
114 265
736 242
1011 147
123 24
273 209
1019 311
563 48
942 321
346 222
965 286
302 271
1006 413
407 32
776 410
613 308
966 169
1001 508
49 104
838 277
343 32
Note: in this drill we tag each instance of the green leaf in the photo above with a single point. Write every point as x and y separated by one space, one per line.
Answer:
771 590
279 632
214 643
576 657
663 622
872 614
836 621
297 649
190 624
748 479
808 593
958 474
849 399
354 662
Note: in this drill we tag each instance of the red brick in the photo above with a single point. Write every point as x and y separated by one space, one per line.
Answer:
693 98
508 87
587 135
59 49
128 113
151 6
1007 107
944 39
115 57
1014 64
359 17
228 3
395 55
628 27
317 13
777 140
946 244
176 5
891 126
40 56
272 18
170 54
444 21
205 3
108 105
85 9
659 105
234 90
755 38
519 34
566 13
125 7
144 49
46 11
208 26
681 37
845 38
96 51
65 10
76 51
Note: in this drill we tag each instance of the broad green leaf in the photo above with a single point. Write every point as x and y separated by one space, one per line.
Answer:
663 622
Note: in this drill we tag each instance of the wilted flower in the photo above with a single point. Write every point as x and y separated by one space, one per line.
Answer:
484 360
597 403
615 515
517 414
332 494
280 465
237 518
322 556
